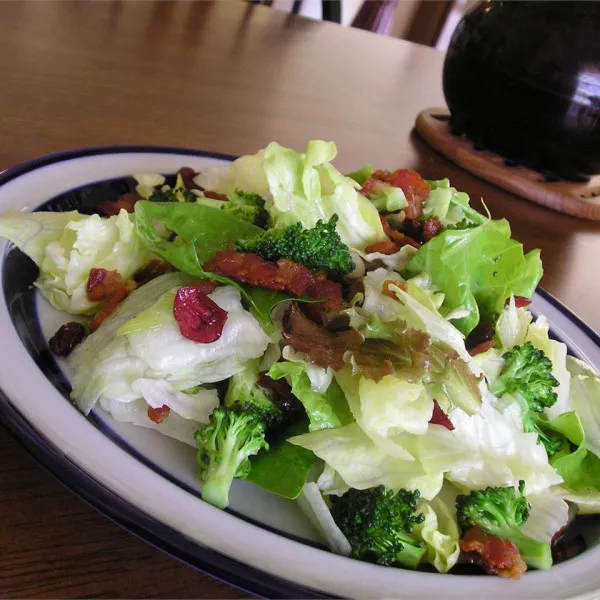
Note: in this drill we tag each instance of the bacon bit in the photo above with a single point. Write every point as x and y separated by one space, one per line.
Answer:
158 415
151 271
102 284
412 184
439 417
520 302
126 202
187 175
199 318
112 304
397 235
481 348
323 348
431 228
66 338
282 393
206 286
216 196
386 289
388 247
497 556
285 275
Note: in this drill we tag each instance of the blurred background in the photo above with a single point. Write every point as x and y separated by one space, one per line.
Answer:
428 22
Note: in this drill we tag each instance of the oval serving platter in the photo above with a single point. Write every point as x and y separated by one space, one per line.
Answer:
146 482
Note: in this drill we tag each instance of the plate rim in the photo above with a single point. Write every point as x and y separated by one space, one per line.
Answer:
237 573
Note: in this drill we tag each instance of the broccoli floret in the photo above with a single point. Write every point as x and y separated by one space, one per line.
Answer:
245 395
499 512
318 249
378 524
527 376
247 206
224 448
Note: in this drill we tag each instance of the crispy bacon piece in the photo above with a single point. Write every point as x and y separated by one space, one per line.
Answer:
387 291
113 207
397 235
187 175
66 338
388 247
481 348
216 196
151 271
112 304
431 228
439 417
325 349
102 284
285 275
200 319
412 184
495 555
158 415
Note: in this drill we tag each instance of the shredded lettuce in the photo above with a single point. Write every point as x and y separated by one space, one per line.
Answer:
66 246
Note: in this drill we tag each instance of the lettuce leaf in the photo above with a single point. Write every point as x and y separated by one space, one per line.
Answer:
362 464
326 410
66 246
306 188
478 268
449 205
512 326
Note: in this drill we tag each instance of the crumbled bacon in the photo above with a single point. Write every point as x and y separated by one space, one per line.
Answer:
387 247
285 275
216 196
158 415
151 271
200 319
386 288
187 175
497 556
66 338
431 228
102 284
481 348
412 184
113 207
112 304
323 348
402 238
439 417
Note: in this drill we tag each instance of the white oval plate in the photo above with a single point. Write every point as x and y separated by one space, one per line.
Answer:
146 482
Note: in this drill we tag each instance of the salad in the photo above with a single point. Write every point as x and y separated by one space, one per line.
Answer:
359 343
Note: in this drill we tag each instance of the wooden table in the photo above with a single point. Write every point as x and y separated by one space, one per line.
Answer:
228 77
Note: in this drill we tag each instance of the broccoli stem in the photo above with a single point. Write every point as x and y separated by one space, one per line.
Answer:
220 476
410 556
537 555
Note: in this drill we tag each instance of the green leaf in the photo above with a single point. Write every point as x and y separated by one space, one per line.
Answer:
361 175
478 269
284 469
326 410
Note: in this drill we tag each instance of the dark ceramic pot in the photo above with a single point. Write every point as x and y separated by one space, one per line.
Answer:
523 79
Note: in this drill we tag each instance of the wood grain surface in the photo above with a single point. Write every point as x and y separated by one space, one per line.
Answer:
230 77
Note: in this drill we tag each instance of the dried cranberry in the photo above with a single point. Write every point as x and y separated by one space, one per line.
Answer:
215 196
520 301
158 415
187 175
439 417
66 338
199 318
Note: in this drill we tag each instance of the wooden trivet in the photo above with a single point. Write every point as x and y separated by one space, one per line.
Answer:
580 199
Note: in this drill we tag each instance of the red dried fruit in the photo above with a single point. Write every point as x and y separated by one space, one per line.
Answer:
66 338
439 417
199 318
158 415
187 175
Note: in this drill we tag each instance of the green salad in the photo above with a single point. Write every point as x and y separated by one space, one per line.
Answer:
362 344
